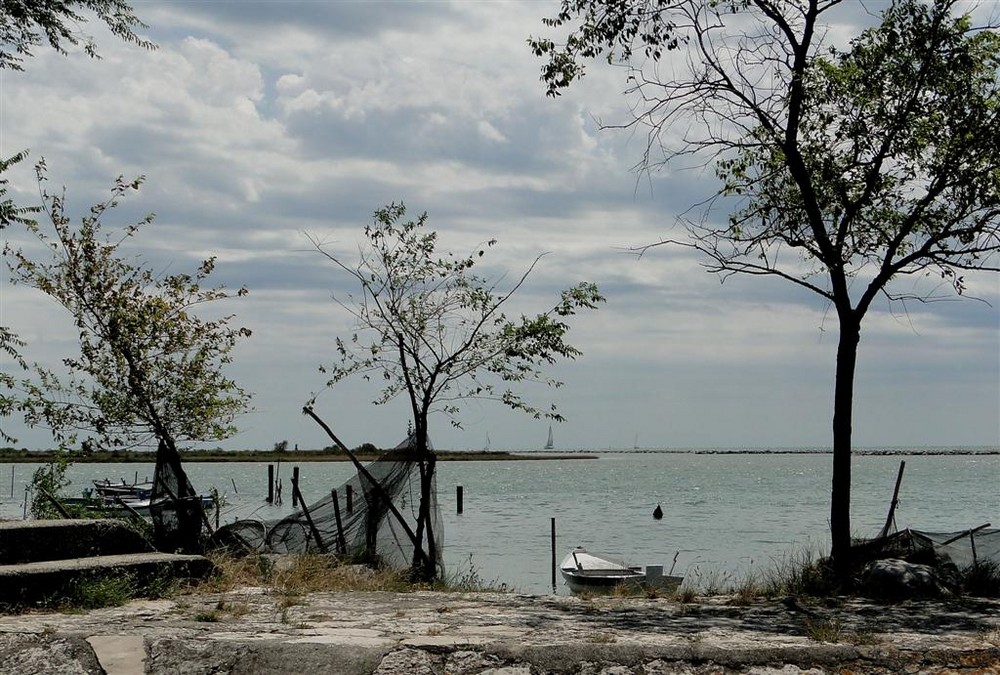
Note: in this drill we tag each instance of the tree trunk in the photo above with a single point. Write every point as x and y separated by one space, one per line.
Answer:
425 560
843 405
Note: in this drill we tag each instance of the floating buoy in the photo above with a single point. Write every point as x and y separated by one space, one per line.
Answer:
658 512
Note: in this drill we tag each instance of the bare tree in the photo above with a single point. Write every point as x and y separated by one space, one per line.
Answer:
432 330
843 170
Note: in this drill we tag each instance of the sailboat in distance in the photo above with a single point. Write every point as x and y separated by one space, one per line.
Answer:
550 443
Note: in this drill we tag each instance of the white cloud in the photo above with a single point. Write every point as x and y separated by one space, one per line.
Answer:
256 122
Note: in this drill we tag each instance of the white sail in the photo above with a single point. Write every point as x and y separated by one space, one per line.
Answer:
549 444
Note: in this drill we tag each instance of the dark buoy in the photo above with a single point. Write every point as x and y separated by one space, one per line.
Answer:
658 512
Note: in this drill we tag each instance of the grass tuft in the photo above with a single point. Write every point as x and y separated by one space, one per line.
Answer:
97 592
981 579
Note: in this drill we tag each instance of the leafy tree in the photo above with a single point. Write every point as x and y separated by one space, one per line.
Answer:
844 171
438 336
148 366
26 24
10 343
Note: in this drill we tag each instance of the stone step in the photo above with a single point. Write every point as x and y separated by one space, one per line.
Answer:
25 541
30 582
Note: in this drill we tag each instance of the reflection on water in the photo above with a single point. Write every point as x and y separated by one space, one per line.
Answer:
721 512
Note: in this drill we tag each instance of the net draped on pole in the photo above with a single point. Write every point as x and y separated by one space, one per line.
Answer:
179 522
369 528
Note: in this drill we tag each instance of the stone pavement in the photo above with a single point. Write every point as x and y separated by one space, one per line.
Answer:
427 633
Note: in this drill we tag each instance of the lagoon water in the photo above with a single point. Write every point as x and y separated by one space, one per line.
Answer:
724 514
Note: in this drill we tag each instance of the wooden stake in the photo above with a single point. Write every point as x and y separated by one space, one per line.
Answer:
341 544
895 500
305 511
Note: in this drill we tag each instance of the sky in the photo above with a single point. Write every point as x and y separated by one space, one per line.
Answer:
259 123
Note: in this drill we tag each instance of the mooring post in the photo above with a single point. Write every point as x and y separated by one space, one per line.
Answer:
459 499
553 554
11 481
350 498
295 483
270 483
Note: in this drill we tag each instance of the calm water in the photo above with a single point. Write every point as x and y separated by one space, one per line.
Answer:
722 512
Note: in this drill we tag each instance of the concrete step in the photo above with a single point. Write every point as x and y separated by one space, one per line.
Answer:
26 541
30 582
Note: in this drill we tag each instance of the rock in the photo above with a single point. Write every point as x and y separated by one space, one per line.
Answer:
47 655
894 579
405 662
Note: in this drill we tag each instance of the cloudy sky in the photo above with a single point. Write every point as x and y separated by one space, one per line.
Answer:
258 122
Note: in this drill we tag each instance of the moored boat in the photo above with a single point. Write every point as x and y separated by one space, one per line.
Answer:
105 488
584 571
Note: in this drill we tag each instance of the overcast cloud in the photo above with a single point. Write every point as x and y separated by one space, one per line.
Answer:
255 122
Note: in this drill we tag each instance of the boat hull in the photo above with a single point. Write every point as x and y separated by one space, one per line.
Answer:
585 572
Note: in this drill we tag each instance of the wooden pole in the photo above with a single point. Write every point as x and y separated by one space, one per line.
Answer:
11 481
895 500
376 486
234 485
270 483
120 502
459 499
295 482
296 495
350 498
967 533
56 503
341 544
553 554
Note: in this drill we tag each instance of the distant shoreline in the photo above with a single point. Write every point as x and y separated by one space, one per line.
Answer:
42 457
45 456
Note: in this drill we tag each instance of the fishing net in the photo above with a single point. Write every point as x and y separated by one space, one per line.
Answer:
179 523
374 517
962 549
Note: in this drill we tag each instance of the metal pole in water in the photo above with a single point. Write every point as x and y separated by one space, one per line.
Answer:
553 554
459 498
270 483
295 485
11 481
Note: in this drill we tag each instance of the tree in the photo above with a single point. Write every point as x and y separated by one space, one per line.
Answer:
843 170
148 366
26 24
11 344
432 330
23 23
